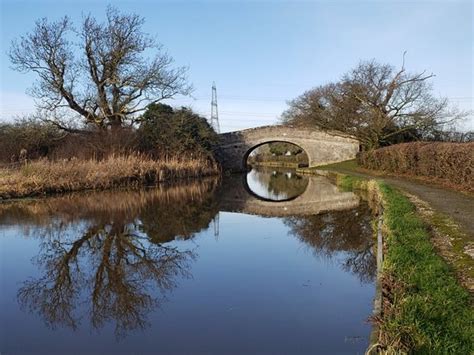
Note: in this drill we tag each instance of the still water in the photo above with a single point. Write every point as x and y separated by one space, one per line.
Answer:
265 263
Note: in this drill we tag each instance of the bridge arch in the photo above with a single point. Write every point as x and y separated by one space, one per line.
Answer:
321 147
250 150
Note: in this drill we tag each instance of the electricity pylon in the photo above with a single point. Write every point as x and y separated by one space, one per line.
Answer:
214 111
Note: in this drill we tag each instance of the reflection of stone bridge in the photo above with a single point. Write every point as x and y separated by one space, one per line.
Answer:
320 196
321 147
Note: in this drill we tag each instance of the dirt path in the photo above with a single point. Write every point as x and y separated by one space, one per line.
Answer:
458 206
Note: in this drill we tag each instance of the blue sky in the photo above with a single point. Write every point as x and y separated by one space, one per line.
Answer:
263 53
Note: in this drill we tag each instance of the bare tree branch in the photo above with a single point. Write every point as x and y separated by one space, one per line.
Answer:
376 103
110 73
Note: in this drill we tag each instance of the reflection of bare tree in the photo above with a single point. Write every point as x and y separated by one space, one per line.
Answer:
346 231
113 268
110 261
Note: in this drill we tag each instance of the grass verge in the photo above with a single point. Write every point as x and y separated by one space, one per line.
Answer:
45 177
425 310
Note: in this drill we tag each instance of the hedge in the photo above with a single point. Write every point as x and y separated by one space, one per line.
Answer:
449 162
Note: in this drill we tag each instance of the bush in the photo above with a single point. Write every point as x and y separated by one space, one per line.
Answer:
163 133
36 137
96 144
453 162
281 148
167 132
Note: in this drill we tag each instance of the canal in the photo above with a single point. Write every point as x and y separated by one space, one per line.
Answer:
269 262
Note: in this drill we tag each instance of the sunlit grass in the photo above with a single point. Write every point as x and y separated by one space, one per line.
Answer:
425 309
430 312
43 176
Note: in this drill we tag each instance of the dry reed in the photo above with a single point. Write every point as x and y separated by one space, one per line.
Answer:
45 177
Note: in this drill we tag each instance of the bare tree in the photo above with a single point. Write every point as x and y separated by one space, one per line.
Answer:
104 72
376 103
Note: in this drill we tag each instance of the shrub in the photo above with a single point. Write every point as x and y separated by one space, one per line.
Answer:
167 132
453 162
38 138
96 144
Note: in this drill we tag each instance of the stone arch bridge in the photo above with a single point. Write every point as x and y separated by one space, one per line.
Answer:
320 146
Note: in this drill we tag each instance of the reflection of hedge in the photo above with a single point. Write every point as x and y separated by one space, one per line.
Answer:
453 162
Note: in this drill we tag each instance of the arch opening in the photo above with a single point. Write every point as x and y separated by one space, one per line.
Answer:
271 171
276 154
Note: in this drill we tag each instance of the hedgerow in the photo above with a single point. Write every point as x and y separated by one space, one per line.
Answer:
451 162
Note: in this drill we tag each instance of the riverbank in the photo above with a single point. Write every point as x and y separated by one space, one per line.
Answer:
43 177
424 307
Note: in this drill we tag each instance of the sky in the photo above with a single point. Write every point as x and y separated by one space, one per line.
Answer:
263 53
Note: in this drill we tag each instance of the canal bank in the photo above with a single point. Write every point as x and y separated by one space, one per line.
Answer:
44 177
424 309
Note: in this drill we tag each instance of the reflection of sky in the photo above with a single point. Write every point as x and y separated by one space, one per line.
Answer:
260 188
256 280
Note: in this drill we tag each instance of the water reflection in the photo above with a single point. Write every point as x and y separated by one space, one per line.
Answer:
111 268
276 184
164 213
347 231
106 255
113 258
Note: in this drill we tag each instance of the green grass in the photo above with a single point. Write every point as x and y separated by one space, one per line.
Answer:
426 310
350 182
348 165
430 312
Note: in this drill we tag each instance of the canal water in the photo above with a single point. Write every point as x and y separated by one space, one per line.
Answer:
265 263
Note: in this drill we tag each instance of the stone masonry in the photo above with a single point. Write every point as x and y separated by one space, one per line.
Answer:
320 146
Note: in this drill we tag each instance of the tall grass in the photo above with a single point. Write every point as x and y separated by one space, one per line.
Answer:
44 177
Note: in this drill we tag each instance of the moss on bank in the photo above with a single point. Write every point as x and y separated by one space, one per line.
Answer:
425 309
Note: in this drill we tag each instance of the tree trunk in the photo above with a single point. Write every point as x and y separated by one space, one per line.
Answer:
115 123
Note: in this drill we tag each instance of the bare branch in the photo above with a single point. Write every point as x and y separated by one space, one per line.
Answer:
110 73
